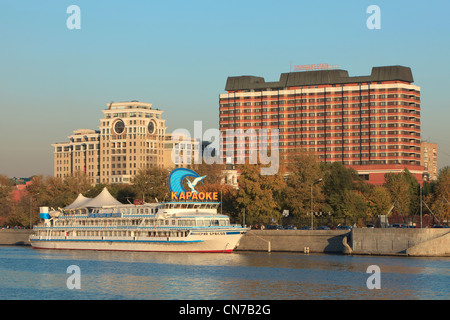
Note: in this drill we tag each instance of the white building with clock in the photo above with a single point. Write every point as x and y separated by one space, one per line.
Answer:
130 137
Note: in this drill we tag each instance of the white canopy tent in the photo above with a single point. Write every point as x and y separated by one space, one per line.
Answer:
103 199
78 203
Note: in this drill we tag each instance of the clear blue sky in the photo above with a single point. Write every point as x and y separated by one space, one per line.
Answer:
178 55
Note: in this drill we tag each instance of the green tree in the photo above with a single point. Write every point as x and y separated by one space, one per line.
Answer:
151 184
259 194
404 191
378 202
303 170
58 192
213 172
78 182
414 192
55 193
226 195
5 198
20 216
340 185
354 206
441 205
23 212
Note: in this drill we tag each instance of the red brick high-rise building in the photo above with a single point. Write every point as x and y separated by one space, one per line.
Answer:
370 123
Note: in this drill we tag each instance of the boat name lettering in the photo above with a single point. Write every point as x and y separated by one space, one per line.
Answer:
105 215
202 196
210 233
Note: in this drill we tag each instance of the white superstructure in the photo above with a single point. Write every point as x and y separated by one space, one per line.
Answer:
102 223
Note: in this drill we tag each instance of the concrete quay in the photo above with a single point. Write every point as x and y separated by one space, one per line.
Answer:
359 241
313 241
17 237
427 242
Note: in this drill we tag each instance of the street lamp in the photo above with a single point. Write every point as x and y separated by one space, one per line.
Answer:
312 215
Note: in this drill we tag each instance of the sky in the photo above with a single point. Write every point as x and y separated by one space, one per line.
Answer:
177 55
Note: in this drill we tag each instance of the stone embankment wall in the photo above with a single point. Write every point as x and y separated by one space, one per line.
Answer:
396 241
317 241
391 241
15 236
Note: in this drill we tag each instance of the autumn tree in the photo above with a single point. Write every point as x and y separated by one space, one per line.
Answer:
213 172
378 201
442 193
22 213
414 192
58 192
341 187
404 191
355 206
151 184
302 170
78 182
5 198
226 196
260 195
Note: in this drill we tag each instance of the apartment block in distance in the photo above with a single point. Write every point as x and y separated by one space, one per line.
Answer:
130 137
370 123
428 160
181 151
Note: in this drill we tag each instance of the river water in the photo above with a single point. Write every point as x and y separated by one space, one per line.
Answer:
29 274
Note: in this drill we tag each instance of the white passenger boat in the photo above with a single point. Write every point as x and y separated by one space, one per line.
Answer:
103 223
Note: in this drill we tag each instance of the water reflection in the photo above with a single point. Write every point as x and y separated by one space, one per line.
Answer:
41 274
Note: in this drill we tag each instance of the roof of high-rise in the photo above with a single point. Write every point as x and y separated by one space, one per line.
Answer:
319 77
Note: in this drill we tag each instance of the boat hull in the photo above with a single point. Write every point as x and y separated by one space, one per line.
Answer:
223 243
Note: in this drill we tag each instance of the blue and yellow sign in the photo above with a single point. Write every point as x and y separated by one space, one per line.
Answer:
178 192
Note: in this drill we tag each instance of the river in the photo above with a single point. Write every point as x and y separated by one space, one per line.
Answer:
30 274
